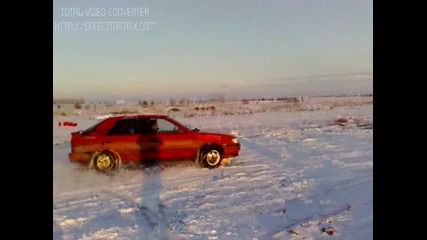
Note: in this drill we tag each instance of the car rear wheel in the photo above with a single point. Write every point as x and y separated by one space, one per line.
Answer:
105 161
211 157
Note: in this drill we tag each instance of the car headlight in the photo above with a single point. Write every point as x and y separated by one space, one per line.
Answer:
234 140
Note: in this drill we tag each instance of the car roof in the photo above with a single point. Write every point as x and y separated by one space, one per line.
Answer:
139 116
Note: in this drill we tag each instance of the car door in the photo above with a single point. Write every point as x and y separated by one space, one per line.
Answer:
125 139
172 143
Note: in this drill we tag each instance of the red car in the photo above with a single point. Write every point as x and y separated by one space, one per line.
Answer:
144 138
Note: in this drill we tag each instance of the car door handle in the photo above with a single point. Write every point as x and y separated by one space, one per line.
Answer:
154 140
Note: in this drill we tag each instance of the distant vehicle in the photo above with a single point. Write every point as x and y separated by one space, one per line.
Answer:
119 140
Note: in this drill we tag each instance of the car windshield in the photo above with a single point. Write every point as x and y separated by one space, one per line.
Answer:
188 126
191 127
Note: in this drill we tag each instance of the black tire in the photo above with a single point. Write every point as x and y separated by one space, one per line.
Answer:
211 157
105 161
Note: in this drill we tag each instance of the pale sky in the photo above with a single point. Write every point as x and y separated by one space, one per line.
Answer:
195 48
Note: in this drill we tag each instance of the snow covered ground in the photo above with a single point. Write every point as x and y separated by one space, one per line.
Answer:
301 174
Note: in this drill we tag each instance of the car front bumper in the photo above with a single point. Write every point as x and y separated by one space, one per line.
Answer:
231 150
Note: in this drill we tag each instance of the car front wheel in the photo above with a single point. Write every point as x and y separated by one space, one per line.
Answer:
211 158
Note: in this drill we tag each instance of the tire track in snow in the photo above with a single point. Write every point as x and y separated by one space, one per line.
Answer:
204 212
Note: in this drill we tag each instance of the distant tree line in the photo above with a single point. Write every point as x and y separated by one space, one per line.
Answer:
69 101
284 99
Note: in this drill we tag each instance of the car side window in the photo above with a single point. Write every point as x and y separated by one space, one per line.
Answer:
145 127
125 127
167 127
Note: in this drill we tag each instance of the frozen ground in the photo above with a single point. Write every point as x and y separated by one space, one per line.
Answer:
301 174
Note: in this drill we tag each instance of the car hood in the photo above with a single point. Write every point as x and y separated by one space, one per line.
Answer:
214 136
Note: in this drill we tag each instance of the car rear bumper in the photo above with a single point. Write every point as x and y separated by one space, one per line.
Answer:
79 157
